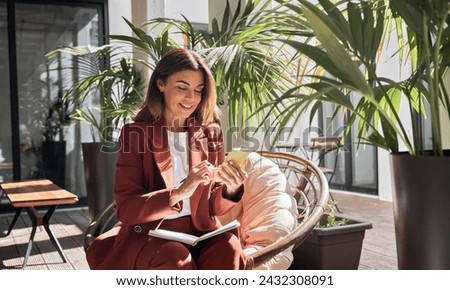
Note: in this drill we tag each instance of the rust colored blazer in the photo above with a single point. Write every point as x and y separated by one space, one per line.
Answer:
142 186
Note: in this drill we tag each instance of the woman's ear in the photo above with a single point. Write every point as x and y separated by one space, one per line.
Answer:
160 85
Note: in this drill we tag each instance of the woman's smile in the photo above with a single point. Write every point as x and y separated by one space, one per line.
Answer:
186 106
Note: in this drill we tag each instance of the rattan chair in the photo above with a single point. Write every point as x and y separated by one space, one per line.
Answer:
309 188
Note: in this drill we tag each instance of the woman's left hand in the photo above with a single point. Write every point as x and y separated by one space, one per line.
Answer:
232 175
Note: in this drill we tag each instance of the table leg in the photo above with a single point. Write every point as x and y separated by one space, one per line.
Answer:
46 224
34 222
16 217
44 221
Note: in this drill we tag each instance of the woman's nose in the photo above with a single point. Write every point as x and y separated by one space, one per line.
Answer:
190 94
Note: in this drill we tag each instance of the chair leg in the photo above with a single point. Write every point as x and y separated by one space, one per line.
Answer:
335 204
329 181
331 195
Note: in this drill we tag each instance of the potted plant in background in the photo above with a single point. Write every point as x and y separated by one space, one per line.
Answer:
54 145
105 95
334 244
349 38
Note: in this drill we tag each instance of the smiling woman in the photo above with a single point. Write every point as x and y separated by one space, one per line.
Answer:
176 134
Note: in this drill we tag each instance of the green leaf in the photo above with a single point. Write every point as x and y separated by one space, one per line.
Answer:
347 69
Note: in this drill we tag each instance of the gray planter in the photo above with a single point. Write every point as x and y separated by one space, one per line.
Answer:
99 170
422 211
334 248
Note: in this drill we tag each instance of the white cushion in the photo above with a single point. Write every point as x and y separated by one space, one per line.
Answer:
266 212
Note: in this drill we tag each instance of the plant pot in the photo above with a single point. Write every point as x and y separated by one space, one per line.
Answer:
334 248
422 210
54 161
99 169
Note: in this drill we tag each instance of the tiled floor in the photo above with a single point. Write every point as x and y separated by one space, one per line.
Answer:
379 249
378 252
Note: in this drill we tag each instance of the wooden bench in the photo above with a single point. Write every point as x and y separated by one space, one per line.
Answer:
30 194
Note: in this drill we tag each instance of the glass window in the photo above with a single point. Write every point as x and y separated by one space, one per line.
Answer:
50 142
6 159
355 168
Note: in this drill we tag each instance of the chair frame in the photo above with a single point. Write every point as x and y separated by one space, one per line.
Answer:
311 192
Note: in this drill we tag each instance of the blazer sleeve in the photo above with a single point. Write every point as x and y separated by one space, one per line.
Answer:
139 196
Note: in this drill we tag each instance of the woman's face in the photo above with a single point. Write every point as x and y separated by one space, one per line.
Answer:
182 93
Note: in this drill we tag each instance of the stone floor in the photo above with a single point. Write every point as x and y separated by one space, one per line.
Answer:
379 251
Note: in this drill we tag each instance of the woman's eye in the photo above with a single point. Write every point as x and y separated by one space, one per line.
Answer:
199 91
182 88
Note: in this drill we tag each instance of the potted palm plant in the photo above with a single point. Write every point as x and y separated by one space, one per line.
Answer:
349 36
107 90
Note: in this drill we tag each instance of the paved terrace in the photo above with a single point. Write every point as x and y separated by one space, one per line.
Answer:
379 251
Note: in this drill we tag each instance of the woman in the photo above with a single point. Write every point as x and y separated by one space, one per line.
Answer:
164 178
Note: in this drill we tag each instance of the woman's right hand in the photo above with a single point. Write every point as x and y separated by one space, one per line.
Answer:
202 173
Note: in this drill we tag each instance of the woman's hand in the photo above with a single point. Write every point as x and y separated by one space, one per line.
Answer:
201 173
232 175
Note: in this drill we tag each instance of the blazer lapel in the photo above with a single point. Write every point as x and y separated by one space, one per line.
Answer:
198 143
161 151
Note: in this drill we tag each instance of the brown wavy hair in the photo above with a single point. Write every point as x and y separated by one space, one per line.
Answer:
179 59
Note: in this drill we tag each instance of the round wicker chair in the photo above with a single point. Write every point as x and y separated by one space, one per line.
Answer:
309 188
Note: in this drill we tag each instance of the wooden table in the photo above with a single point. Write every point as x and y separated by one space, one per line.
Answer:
30 194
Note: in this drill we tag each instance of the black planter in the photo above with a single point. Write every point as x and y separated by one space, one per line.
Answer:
422 211
334 248
54 161
99 169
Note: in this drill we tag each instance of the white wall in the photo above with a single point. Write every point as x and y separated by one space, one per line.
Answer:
385 186
216 8
194 10
155 8
116 10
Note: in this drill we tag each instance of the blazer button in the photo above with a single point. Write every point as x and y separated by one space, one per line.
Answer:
137 228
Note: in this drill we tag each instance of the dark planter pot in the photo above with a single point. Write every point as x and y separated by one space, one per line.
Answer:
422 211
54 161
335 248
99 169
